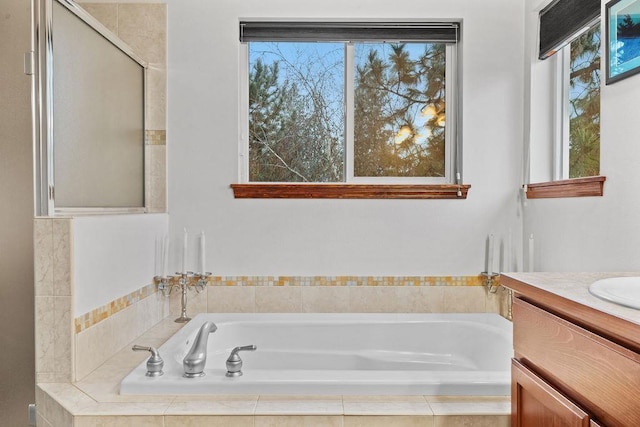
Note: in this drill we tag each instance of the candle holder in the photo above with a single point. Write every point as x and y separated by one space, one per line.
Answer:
183 281
491 281
509 304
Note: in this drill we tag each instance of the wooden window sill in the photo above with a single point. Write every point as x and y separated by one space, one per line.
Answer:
348 191
577 187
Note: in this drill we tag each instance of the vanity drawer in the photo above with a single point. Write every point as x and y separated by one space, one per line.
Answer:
603 376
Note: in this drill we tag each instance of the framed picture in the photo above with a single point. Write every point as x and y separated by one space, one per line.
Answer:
623 39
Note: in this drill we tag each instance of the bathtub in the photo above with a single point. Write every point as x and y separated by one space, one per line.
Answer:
342 354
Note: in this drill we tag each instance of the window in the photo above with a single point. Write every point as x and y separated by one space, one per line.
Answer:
579 133
377 108
569 31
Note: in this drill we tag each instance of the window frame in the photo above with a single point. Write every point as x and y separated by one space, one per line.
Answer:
449 186
561 114
562 186
561 165
451 130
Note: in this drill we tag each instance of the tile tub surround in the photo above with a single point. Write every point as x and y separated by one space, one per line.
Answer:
319 294
66 348
97 335
53 263
96 344
346 294
99 314
101 332
65 354
70 346
95 400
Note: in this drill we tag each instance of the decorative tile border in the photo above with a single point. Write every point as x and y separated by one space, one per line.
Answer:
155 137
99 314
345 281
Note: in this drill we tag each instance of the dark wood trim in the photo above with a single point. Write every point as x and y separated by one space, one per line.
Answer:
614 328
593 372
348 191
547 402
576 187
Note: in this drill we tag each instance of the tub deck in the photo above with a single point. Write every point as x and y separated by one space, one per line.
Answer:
95 399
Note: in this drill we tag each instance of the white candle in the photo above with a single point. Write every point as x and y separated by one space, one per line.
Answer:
531 248
184 251
490 256
202 253
165 256
507 253
157 259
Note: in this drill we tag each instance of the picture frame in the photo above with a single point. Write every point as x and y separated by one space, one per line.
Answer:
622 40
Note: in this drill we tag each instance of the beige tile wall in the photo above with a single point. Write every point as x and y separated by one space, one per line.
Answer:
143 27
61 354
283 421
299 411
54 346
155 189
50 412
344 299
98 343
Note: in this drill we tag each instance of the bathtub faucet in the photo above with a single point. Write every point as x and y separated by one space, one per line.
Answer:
195 360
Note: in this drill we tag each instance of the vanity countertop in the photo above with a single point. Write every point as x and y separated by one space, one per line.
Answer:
567 294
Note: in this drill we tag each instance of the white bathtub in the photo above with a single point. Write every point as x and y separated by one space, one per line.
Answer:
371 354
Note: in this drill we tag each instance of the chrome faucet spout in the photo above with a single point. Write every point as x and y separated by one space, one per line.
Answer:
196 359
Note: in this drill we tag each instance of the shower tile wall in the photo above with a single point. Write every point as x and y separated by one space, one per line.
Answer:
104 331
143 28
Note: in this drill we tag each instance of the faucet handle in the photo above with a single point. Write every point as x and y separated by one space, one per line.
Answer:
155 362
234 363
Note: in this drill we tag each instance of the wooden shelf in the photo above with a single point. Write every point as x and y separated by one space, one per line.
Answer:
577 187
348 191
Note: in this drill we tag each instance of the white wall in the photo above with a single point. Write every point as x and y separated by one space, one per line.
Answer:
113 256
341 237
540 89
595 233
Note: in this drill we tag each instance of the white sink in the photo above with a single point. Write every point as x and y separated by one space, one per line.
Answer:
620 290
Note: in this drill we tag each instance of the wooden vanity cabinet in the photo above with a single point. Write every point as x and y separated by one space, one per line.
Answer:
536 403
566 375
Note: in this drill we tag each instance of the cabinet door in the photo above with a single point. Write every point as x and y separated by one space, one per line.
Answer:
534 403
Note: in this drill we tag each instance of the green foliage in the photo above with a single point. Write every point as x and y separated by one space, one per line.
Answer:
584 126
296 126
290 137
399 113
